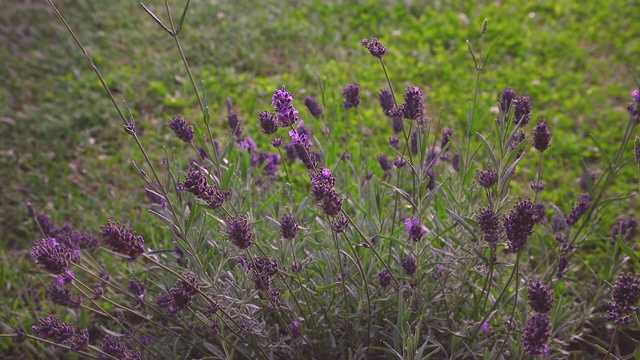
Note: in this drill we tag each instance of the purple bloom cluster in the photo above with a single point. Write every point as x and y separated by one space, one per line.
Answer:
625 228
64 297
506 98
489 224
541 136
239 232
233 120
287 113
117 349
19 335
196 183
384 278
487 178
626 293
351 95
137 288
314 107
339 223
540 297
80 340
263 270
180 127
413 107
536 333
288 226
409 265
519 223
268 121
374 46
516 140
563 263
270 161
181 294
323 191
384 162
522 112
447 135
51 328
52 256
415 231
122 240
387 103
584 202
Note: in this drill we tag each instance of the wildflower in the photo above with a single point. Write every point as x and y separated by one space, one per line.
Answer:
385 278
288 226
233 120
183 131
584 202
536 333
296 268
247 144
117 349
489 224
516 140
313 106
63 297
122 240
447 135
331 203
212 308
487 178
294 329
506 98
374 46
213 328
522 112
413 108
137 288
626 293
537 186
636 95
541 136
98 292
52 328
19 335
563 263
399 162
65 278
387 103
396 124
44 223
519 223
80 340
486 327
540 297
263 270
268 122
624 228
239 232
195 183
413 146
270 161
276 141
409 265
394 142
384 162
302 149
339 223
322 184
51 255
351 95
414 229
287 113
103 276
183 291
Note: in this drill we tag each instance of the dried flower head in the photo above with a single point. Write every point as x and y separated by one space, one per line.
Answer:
519 224
122 240
288 226
541 136
313 106
487 178
522 112
413 108
51 328
626 293
180 127
415 231
540 297
374 46
536 333
351 95
239 232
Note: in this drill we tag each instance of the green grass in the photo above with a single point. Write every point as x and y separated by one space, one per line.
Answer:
62 147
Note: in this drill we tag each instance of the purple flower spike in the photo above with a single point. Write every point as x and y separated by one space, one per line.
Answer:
636 95
414 229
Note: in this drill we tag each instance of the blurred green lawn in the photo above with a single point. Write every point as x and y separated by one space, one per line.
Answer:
62 147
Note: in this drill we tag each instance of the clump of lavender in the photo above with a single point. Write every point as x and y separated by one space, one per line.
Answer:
51 255
122 240
384 278
63 297
288 226
522 110
536 333
584 202
302 149
626 293
541 136
409 265
80 340
268 122
339 223
239 232
506 98
287 113
540 297
313 106
374 46
413 107
487 178
489 223
387 103
181 129
519 224
263 270
415 231
351 95
117 349
625 228
51 328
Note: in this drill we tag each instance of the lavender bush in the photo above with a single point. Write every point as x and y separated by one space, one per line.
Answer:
290 249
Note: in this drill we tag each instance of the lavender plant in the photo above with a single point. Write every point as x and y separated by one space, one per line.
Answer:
309 256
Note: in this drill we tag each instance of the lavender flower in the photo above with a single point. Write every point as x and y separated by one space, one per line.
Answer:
268 121
233 120
302 149
413 108
80 340
626 293
522 112
322 183
394 142
516 140
387 103
385 278
180 127
313 106
409 265
287 114
195 183
447 135
399 162
339 223
519 224
19 335
625 229
51 328
487 178
288 226
374 46
455 162
506 98
540 297
331 203
384 162
636 95
239 232
51 256
63 297
636 149
563 263
351 95
486 327
276 141
294 329
183 291
584 202
137 288
541 136
414 229
489 224
396 124
263 270
536 333
247 144
118 349
122 240
537 186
